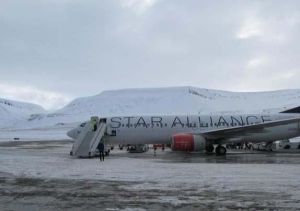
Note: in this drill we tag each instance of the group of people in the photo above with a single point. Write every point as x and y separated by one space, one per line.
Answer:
244 145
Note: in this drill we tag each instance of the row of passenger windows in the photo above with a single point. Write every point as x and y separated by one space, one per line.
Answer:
182 125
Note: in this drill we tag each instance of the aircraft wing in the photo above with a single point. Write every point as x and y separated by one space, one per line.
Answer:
236 132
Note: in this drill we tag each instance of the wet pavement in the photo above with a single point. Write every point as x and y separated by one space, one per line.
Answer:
42 176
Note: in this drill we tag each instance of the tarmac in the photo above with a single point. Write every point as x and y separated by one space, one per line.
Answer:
42 176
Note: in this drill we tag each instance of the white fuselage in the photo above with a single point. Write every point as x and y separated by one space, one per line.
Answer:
160 129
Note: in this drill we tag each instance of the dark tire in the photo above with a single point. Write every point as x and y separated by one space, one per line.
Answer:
209 148
220 150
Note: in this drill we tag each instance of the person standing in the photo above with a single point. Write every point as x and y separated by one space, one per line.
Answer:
94 123
100 147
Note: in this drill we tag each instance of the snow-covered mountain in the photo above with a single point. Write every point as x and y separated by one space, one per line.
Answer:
180 100
163 101
12 111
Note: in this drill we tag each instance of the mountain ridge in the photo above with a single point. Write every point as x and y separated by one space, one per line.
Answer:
164 101
12 111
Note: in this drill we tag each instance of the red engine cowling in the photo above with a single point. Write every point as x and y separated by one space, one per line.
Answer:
188 142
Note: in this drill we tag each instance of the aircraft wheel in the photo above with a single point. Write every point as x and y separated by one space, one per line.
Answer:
209 148
220 150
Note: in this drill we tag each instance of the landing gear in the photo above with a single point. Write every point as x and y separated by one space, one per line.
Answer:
209 148
220 150
269 146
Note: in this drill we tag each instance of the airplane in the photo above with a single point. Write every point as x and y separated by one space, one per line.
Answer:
199 132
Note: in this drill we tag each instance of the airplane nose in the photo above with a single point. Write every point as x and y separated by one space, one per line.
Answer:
72 133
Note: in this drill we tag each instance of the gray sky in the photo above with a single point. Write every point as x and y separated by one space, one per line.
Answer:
52 51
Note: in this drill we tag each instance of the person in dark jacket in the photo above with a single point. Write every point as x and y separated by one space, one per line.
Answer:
100 147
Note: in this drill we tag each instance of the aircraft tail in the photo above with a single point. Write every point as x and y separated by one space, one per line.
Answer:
292 110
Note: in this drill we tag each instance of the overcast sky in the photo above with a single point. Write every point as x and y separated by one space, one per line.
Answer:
53 51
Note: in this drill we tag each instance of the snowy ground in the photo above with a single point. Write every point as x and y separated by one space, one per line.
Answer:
42 176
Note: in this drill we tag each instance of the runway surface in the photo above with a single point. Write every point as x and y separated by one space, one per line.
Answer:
42 176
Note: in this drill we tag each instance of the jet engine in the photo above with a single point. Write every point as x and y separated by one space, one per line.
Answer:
188 142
